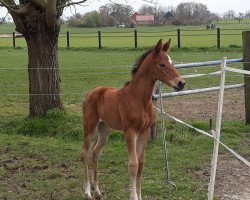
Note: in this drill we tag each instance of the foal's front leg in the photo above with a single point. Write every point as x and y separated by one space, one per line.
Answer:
131 138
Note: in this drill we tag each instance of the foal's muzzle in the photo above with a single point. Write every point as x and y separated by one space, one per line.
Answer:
180 85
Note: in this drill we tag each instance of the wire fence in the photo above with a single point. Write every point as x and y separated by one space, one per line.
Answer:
123 72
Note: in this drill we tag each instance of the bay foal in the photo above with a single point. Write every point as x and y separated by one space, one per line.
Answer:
129 109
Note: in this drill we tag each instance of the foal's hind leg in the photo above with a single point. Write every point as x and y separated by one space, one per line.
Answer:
90 128
140 150
103 133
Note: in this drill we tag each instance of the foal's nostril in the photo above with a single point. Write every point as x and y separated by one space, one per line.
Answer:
181 84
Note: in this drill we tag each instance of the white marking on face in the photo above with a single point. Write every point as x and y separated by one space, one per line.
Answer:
170 60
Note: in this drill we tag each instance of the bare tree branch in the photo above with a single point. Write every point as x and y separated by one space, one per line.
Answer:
2 21
70 3
12 7
151 1
8 4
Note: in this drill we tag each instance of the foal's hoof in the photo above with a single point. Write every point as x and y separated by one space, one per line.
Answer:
98 195
87 197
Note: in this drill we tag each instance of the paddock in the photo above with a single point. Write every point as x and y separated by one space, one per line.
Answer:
65 167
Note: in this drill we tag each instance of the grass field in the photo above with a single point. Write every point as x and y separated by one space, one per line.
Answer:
191 36
40 157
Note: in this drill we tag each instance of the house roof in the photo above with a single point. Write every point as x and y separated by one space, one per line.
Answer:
144 18
168 15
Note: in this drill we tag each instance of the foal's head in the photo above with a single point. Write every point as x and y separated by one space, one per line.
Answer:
161 67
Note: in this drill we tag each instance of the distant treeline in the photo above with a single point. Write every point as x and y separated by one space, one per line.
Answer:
188 13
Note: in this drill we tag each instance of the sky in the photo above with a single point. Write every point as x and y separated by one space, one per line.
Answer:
217 6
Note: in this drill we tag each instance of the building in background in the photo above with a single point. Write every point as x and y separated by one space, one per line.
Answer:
137 19
168 18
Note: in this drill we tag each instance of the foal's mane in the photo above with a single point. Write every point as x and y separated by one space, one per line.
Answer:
136 66
139 61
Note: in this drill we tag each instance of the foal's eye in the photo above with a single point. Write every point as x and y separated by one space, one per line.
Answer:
162 65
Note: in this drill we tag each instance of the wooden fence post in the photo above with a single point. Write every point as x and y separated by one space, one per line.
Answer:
218 38
135 34
179 37
14 39
246 58
67 39
99 40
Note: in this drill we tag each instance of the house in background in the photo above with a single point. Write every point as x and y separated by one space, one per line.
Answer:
137 19
168 18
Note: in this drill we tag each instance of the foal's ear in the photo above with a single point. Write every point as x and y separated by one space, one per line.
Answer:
156 50
167 46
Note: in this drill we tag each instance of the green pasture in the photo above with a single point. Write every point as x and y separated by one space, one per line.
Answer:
194 38
191 36
82 70
40 156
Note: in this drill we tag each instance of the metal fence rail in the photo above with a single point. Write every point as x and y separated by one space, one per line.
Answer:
208 63
196 91
201 90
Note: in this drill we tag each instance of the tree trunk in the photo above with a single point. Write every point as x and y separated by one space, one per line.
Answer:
39 23
44 80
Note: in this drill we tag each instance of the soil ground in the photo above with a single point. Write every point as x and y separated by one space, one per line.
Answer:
233 176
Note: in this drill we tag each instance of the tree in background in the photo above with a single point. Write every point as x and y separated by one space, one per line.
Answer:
76 20
146 9
106 19
39 23
215 16
92 19
120 12
239 17
247 14
108 15
158 12
191 13
230 14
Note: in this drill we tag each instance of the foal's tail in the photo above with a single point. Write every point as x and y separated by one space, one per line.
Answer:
91 117
90 110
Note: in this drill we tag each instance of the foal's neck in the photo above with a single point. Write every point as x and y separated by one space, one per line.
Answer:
142 86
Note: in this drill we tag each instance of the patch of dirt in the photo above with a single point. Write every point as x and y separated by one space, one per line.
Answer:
233 179
233 176
204 106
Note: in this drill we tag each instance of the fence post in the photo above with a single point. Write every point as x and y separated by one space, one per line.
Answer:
217 131
246 58
67 39
135 34
179 37
153 128
14 39
218 38
99 40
